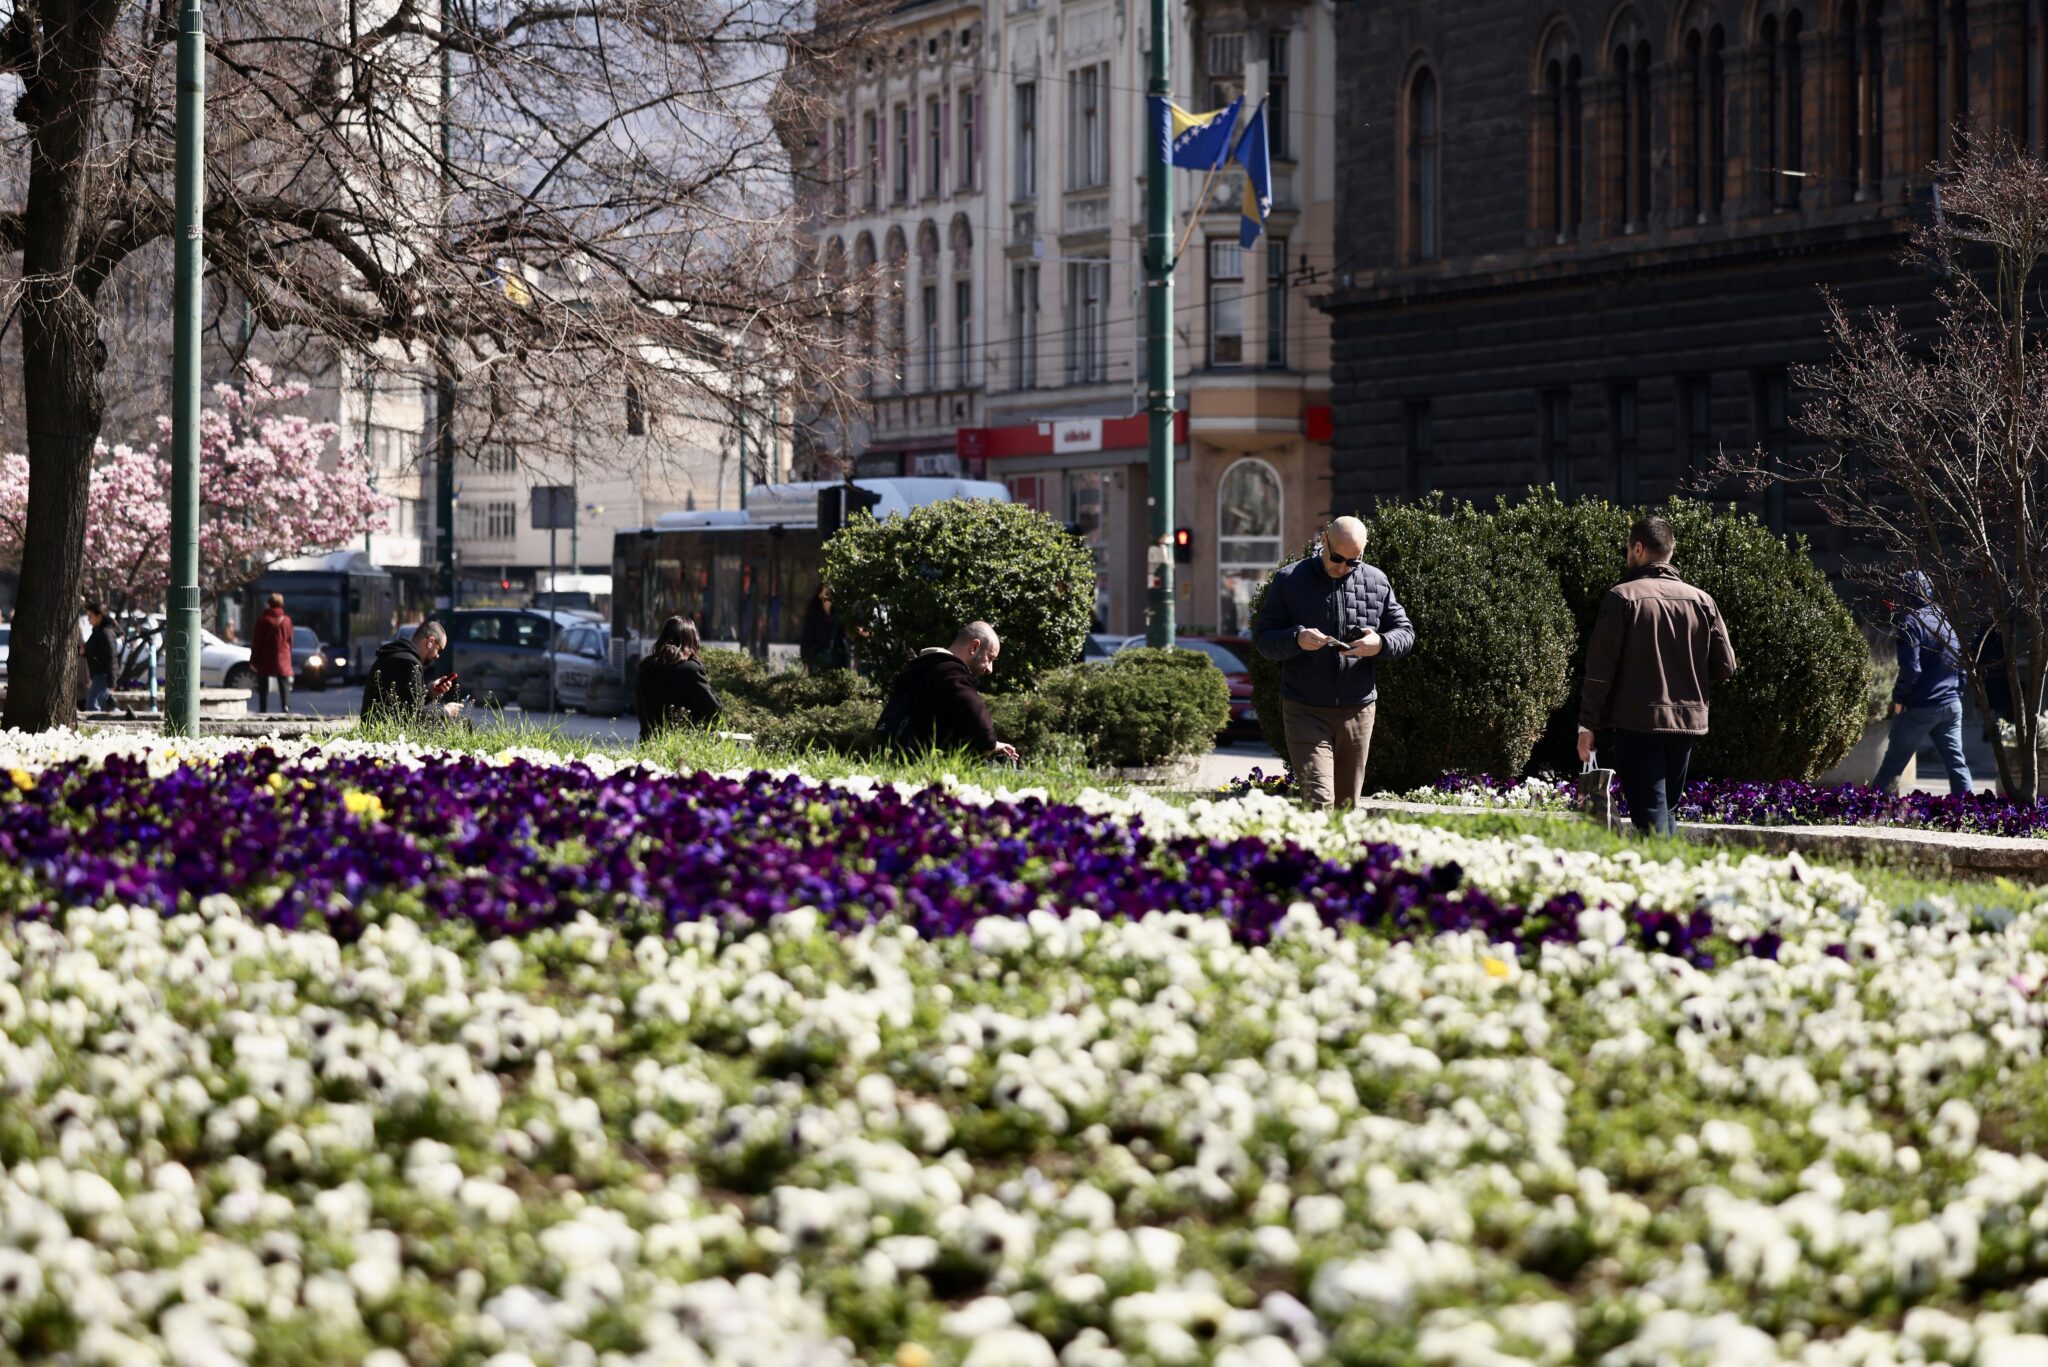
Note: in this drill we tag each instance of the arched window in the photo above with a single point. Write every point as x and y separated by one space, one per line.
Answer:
1951 72
1560 150
1861 43
1630 156
1781 125
1248 539
2032 130
1794 102
1425 169
896 318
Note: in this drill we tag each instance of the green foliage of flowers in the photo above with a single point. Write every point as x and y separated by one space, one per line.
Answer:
905 583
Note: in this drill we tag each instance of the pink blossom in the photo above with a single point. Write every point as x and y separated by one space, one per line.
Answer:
263 493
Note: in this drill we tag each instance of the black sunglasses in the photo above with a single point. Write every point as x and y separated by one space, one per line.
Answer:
1353 561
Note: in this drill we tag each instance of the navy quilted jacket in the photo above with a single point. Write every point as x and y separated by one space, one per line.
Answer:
1303 595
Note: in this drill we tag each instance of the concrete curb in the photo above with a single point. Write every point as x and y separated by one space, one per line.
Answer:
1901 847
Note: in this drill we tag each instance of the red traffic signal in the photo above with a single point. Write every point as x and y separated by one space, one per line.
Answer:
1183 546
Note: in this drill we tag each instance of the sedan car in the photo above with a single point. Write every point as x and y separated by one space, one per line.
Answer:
579 654
1230 654
221 663
312 666
495 650
6 631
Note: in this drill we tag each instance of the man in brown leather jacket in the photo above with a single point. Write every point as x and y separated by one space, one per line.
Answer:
1658 647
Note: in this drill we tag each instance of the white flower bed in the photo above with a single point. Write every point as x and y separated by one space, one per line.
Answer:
1057 1142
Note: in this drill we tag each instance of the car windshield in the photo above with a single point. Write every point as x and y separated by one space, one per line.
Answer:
304 639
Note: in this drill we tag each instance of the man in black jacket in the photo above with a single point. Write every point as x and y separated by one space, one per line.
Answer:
1329 620
398 690
935 704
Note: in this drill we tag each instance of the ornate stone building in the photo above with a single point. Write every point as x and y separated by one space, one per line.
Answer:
1580 244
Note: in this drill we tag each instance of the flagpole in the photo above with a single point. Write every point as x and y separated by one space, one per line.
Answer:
1201 206
1159 623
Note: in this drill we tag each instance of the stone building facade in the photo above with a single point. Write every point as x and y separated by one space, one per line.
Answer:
1583 244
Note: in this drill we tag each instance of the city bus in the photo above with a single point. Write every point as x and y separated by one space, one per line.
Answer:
745 577
346 598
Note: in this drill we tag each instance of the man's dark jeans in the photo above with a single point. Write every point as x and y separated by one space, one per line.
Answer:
1651 766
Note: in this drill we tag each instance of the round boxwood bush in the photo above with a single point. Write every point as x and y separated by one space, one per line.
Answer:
1492 646
1148 707
909 582
1798 700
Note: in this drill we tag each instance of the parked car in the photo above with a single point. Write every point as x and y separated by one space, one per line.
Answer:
580 653
6 631
312 666
222 664
1230 654
1096 648
495 650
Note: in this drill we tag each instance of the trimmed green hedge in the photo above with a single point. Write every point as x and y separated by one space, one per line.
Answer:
909 582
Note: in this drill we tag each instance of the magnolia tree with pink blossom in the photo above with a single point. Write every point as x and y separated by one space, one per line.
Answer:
264 496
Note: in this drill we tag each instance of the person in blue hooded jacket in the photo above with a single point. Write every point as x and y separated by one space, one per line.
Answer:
1928 698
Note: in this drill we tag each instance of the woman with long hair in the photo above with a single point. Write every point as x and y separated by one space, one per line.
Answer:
672 686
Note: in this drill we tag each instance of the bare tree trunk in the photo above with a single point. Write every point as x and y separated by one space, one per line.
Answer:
62 356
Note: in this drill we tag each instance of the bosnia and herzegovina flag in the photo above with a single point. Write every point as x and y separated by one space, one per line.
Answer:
1195 142
1250 153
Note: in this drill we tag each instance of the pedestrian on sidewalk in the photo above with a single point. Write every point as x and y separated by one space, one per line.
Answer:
99 658
1927 701
824 640
1658 648
1330 620
270 655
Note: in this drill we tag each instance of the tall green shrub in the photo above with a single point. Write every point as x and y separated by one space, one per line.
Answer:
1493 641
1796 704
909 582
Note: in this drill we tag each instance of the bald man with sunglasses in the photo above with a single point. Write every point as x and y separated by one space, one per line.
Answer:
1330 620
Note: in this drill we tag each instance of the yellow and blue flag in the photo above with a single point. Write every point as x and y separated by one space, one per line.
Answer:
1258 178
1195 142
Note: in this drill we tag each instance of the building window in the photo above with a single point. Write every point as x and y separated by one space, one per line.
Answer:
1088 510
497 458
969 159
636 413
1556 410
1774 435
1705 131
1278 146
494 521
934 148
871 164
839 168
1696 424
963 330
1419 444
1027 141
1784 117
1226 303
1862 93
1624 423
1562 149
1226 70
1088 128
1088 322
1031 491
899 186
1425 169
1276 303
1248 540
1024 327
2036 134
931 337
1950 72
1632 141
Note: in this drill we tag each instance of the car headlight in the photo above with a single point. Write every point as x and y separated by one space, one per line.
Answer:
314 662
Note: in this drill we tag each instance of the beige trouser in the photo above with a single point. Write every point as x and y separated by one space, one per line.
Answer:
1327 747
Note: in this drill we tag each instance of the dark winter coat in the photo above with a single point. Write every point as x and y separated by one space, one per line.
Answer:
671 693
1930 654
823 645
99 650
1304 595
942 708
270 645
397 686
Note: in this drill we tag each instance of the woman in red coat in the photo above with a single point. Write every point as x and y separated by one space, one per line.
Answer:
270 655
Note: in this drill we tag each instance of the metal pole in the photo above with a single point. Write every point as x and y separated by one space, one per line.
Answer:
1159 625
444 391
554 601
181 703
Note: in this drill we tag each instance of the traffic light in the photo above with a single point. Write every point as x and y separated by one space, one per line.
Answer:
839 502
1183 546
